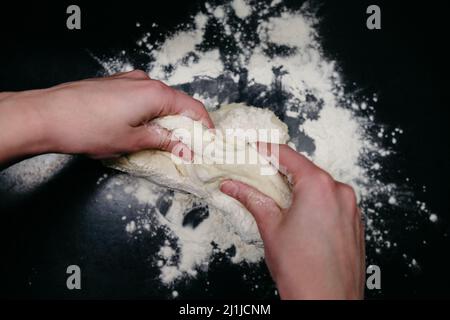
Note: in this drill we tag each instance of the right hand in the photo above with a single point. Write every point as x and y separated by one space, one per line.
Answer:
314 249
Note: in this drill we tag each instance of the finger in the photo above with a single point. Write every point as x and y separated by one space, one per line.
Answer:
134 74
349 204
362 238
288 161
362 243
192 108
173 102
264 209
152 136
360 246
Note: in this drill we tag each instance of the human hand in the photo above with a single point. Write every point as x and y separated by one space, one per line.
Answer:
101 117
314 249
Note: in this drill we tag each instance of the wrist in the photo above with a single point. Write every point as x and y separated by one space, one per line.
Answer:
23 131
308 289
294 284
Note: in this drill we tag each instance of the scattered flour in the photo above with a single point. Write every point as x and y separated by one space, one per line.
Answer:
334 131
287 56
241 8
29 174
175 48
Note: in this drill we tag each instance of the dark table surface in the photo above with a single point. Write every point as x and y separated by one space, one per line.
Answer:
62 222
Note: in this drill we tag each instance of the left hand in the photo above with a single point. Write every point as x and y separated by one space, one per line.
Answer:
101 117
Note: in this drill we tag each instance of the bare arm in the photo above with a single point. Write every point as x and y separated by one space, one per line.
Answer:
314 249
101 117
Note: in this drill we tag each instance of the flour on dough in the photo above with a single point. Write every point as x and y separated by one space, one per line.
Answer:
202 179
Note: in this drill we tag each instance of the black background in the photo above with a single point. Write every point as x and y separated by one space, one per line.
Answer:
405 63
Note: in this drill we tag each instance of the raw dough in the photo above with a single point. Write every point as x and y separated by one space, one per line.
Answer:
203 180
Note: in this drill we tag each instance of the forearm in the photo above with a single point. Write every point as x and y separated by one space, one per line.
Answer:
22 130
100 118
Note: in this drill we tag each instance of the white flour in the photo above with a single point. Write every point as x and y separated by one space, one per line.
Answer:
31 173
241 8
338 141
340 126
287 56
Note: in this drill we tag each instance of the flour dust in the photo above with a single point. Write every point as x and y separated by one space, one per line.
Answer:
267 56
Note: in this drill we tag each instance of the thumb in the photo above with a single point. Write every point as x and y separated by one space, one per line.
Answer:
266 212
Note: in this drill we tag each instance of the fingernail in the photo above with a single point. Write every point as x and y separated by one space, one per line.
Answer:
182 151
207 123
186 154
229 188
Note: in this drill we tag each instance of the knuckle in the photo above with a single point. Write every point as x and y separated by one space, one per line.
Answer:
160 91
198 104
348 196
324 181
164 142
139 73
158 85
252 198
348 193
247 196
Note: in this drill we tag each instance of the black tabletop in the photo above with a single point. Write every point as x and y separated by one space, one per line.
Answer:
63 221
